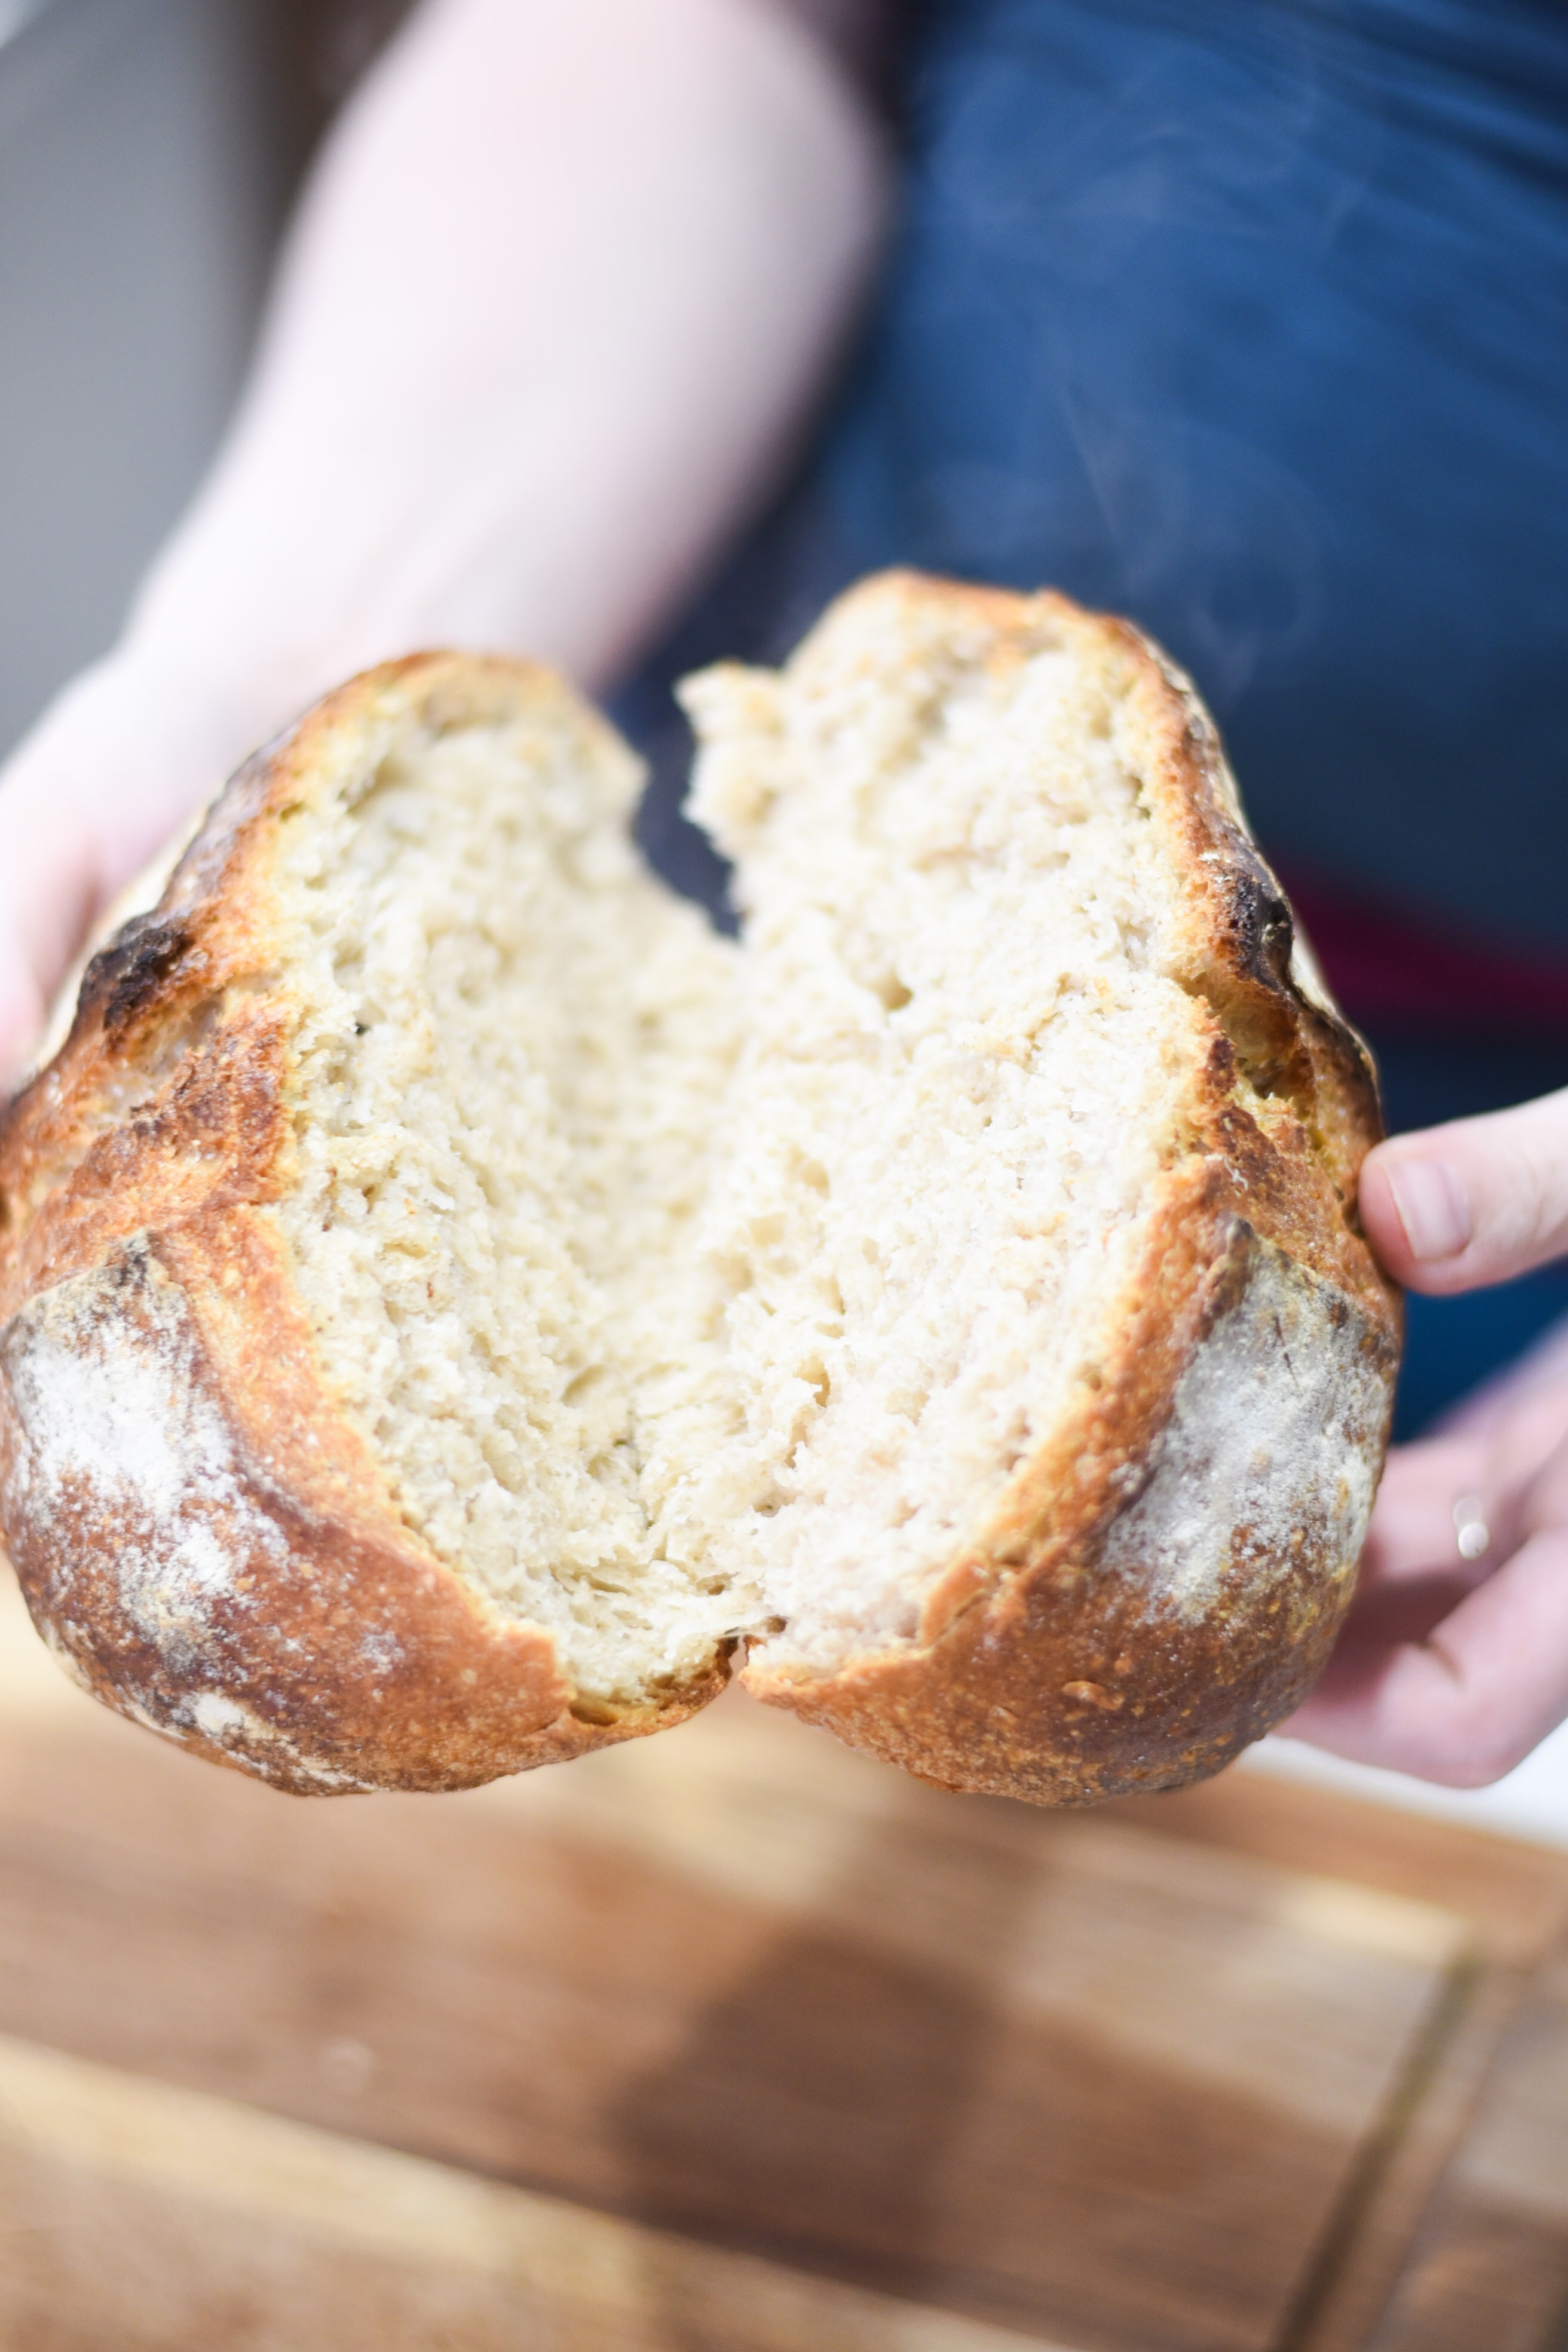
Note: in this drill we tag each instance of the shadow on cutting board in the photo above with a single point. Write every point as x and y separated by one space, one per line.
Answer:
917 2090
813 2107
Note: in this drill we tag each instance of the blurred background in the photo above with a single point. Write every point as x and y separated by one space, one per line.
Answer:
148 152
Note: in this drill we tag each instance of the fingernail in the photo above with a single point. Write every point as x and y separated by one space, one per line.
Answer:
1431 1205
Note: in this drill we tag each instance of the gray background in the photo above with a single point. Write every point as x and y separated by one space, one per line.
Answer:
147 152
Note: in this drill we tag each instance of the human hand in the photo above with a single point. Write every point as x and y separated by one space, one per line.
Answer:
1454 1661
116 767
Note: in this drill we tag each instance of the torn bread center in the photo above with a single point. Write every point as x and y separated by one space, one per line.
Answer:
688 1290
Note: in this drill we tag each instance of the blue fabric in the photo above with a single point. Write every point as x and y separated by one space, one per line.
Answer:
1251 320
1248 318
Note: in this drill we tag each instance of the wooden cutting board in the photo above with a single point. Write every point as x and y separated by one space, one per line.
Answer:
732 2040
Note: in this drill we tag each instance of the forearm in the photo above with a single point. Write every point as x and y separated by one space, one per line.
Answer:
562 290
564 283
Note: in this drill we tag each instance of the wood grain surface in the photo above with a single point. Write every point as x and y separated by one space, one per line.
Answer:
211 2224
1489 2265
1182 2076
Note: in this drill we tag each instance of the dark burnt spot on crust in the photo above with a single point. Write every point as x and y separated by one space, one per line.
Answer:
160 1086
1246 986
1262 929
1290 1043
134 971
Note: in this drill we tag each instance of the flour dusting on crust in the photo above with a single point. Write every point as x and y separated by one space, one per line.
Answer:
1253 1468
118 1432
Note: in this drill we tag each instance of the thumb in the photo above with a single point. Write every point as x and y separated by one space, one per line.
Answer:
1477 1201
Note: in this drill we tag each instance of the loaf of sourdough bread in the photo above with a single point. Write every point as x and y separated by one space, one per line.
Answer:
457 1306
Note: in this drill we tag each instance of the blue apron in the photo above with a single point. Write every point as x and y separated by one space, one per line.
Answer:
1248 318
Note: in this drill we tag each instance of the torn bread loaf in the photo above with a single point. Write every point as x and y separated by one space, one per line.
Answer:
455 1307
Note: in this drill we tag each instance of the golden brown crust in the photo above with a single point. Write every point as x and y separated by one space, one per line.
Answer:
1061 1658
213 1548
201 1535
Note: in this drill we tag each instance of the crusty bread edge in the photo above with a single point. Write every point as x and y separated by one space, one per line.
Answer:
1052 1662
203 1537
364 1662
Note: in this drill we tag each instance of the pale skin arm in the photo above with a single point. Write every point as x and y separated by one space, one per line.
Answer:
556 308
